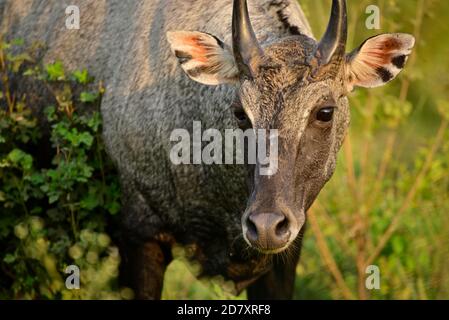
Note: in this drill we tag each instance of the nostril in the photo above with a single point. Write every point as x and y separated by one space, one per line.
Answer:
282 228
251 230
268 231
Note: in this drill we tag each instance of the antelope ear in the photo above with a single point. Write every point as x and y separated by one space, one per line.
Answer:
204 57
378 60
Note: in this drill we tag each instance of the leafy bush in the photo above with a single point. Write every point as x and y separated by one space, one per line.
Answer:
58 190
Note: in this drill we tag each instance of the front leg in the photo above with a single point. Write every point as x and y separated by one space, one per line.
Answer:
279 282
143 269
145 252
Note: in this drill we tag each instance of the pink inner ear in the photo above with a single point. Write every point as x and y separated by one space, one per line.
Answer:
382 53
203 57
374 63
198 49
371 64
390 44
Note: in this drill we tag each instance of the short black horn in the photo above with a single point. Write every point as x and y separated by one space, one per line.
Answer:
332 46
245 45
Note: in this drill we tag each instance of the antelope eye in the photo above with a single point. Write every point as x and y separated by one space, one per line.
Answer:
240 115
325 114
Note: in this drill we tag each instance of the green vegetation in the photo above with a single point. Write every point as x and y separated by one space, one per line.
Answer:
386 205
58 191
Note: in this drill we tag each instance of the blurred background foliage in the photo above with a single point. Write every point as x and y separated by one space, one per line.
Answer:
387 204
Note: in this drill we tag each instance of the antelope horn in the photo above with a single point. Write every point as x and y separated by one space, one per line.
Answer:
245 45
332 47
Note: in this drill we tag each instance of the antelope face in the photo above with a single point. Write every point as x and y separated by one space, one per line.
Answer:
298 87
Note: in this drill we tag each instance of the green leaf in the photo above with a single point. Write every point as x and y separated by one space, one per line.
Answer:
82 77
88 97
53 198
55 71
86 138
91 201
17 61
19 158
37 178
18 42
50 113
5 46
9 258
30 72
114 208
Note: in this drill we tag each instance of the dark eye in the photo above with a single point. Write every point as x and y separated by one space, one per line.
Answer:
325 114
240 115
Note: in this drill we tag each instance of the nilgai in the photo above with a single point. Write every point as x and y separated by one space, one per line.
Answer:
227 65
